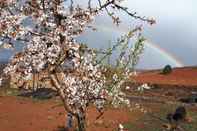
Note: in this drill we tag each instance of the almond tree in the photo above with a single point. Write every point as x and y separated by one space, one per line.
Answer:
48 29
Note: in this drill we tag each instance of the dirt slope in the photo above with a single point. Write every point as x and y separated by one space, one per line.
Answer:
180 76
25 114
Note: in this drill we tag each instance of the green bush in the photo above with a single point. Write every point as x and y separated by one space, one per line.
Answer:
167 70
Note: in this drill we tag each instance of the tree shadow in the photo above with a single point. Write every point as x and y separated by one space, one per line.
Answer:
62 128
190 100
41 93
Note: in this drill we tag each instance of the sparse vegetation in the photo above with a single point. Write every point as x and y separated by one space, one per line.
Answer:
156 120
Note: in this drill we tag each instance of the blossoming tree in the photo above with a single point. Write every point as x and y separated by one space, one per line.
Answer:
48 29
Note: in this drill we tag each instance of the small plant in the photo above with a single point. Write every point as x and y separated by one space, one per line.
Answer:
167 70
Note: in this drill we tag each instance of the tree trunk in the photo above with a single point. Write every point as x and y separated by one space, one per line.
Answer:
69 123
81 121
80 116
34 81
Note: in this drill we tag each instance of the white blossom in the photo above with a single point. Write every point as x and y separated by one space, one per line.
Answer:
121 127
115 77
48 31
144 86
1 81
127 87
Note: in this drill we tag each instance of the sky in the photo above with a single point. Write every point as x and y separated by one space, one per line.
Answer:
176 28
172 40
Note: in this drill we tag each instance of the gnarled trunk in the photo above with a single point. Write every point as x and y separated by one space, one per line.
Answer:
81 120
80 116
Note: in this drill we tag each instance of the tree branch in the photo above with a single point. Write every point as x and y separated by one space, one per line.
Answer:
60 91
124 9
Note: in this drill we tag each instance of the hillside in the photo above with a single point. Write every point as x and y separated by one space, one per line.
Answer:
186 76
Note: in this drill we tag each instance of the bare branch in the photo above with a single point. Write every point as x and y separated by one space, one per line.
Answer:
124 9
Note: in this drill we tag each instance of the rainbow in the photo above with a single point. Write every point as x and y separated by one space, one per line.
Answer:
167 55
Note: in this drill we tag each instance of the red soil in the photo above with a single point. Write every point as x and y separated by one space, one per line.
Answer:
179 76
23 114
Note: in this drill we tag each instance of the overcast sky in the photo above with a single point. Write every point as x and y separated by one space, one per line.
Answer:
176 28
175 31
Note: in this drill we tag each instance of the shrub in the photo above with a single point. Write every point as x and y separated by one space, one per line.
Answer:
167 70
